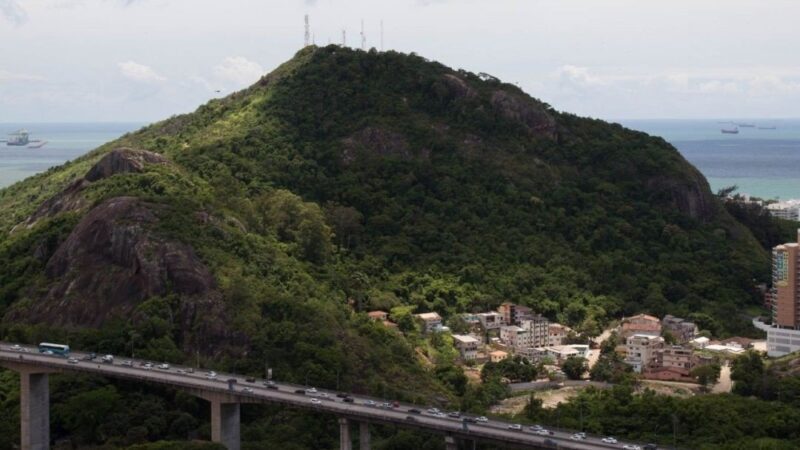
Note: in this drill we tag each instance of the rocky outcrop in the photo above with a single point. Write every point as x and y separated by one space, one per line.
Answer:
375 141
531 115
111 262
458 87
691 196
122 160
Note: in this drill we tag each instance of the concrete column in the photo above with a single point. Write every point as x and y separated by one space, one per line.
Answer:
345 443
364 436
225 424
34 411
450 443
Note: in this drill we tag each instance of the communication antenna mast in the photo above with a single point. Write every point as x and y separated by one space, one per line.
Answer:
344 37
381 34
307 38
313 39
363 37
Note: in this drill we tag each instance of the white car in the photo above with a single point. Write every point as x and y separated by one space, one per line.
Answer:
631 447
72 361
440 415
311 391
543 432
609 440
126 363
247 390
323 394
212 375
481 419
316 401
181 371
515 427
369 402
577 437
15 348
433 410
148 366
164 366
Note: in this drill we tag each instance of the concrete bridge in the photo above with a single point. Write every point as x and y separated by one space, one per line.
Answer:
226 399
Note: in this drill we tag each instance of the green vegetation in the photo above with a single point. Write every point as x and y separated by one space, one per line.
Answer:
702 422
347 181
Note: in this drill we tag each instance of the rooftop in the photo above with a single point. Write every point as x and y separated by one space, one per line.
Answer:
429 316
465 339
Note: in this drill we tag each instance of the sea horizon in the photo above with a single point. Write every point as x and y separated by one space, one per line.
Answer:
761 162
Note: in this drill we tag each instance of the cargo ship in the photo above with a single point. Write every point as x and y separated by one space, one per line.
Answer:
22 139
733 130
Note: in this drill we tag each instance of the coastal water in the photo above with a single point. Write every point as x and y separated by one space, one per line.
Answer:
65 141
761 162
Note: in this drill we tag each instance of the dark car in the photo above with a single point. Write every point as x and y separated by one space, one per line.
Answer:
455 414
470 419
300 391
348 400
341 395
414 411
650 447
271 385
550 443
250 379
411 418
90 356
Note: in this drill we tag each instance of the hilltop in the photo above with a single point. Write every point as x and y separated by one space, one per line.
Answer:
254 228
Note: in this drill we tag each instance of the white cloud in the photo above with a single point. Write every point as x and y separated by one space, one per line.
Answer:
6 76
139 72
577 77
13 12
238 70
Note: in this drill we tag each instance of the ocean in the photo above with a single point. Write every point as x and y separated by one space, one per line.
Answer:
762 163
65 141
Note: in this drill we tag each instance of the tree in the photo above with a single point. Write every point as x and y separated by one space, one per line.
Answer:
574 367
747 372
706 374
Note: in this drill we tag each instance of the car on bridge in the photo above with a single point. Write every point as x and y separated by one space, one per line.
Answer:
515 427
482 419
316 401
609 440
73 361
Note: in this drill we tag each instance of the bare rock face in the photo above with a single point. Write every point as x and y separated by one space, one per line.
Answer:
123 160
374 141
691 197
532 116
111 262
458 87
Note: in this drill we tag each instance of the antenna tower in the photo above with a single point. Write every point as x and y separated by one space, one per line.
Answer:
307 38
363 37
344 38
381 34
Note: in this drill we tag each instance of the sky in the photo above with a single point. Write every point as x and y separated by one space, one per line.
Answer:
144 60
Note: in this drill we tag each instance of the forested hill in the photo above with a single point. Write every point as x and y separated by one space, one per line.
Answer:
384 179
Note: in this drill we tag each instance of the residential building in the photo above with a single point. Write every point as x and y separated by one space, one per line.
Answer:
539 329
789 210
514 314
557 334
467 346
700 342
491 320
431 320
682 330
641 324
783 329
560 352
640 350
378 316
515 337
497 356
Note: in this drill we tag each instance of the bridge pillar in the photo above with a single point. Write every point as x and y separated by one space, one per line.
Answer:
225 424
34 410
450 443
364 436
345 442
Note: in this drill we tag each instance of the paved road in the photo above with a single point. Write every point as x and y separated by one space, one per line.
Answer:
545 385
361 409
